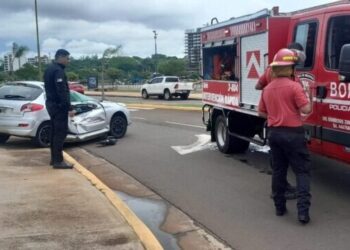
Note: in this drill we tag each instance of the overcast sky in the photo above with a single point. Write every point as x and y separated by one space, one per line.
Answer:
88 27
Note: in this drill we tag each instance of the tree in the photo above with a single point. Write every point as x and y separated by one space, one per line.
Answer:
172 67
107 55
18 53
27 72
72 76
114 73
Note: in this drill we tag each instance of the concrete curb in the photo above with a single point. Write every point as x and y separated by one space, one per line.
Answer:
130 94
147 238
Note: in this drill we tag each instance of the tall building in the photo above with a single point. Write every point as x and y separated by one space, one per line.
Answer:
11 63
34 60
193 50
7 62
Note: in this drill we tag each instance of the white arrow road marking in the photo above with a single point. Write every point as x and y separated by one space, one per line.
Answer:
202 143
138 118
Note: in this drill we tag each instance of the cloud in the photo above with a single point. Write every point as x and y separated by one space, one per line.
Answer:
90 26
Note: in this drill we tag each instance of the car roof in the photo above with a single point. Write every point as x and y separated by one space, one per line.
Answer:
35 83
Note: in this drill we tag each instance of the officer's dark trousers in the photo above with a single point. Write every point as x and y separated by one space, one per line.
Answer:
288 147
59 128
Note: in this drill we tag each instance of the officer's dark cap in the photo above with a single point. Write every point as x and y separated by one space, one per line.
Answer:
61 53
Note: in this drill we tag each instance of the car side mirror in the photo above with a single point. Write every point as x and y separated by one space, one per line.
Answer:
344 63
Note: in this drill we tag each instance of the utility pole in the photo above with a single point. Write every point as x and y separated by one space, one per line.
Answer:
37 39
155 50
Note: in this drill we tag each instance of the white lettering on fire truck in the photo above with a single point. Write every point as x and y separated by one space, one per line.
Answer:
341 90
339 107
337 123
221 99
233 87
243 29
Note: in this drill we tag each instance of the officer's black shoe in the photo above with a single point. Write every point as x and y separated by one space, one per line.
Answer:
62 165
281 211
304 218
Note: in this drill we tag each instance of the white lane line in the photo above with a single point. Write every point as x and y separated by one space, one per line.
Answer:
183 124
138 118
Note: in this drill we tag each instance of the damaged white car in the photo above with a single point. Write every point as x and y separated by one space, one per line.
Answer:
23 113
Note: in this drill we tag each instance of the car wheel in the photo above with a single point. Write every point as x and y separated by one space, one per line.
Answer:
167 95
4 138
43 135
144 94
118 125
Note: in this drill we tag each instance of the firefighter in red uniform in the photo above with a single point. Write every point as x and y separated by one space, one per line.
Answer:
265 79
282 102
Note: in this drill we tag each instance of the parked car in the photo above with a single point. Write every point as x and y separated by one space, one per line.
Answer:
166 87
23 113
76 87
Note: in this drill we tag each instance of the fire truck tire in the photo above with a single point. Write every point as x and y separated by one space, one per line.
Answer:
144 94
228 144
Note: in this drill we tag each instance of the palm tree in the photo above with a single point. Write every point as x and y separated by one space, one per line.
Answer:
21 50
18 53
106 56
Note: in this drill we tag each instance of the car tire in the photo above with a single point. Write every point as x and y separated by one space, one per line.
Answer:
43 135
4 138
167 95
144 94
118 125
226 143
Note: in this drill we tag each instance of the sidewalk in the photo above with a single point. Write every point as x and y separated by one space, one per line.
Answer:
45 208
132 94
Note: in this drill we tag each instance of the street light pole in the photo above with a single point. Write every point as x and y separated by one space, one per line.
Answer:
155 50
37 38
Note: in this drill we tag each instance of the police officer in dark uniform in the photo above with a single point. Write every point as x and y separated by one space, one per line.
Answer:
282 102
58 106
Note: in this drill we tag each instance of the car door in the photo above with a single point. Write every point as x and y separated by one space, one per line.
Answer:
158 85
151 86
90 115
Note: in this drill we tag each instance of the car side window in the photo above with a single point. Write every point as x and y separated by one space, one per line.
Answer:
305 34
338 34
171 79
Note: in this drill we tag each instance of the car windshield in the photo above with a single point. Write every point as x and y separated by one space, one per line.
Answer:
20 91
77 97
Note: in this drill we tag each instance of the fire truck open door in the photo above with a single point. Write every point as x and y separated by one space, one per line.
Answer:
254 50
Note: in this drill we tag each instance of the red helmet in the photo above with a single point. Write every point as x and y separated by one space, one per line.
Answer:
284 57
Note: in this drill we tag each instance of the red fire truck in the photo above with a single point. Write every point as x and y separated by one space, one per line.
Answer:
237 51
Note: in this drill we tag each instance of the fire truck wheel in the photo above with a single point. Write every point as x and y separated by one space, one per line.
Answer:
144 94
226 143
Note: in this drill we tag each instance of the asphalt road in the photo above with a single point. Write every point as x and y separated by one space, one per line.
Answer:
228 194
